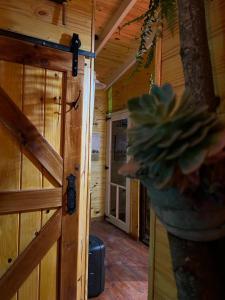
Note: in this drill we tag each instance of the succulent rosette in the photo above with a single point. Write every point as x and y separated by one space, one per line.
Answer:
172 138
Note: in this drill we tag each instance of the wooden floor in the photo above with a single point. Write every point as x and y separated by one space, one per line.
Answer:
126 264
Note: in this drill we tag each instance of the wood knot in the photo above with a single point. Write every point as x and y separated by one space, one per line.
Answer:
23 139
42 13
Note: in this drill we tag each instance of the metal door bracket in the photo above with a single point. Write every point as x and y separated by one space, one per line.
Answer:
75 45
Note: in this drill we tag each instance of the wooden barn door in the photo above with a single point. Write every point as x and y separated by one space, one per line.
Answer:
40 145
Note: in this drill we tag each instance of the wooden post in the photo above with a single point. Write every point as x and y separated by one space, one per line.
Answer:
195 53
199 267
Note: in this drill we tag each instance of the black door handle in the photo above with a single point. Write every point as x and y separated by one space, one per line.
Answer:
71 194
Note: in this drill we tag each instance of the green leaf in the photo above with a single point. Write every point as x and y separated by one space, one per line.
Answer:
151 52
217 141
169 11
147 102
162 154
154 140
177 152
151 155
168 91
165 94
134 105
165 177
167 142
197 126
141 118
183 104
192 160
142 136
199 136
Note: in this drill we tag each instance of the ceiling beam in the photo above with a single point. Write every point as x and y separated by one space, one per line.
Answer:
129 63
113 24
122 70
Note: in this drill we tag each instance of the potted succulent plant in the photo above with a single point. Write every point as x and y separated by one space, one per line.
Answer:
178 152
178 146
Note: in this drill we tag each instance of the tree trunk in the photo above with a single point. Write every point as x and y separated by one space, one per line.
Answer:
195 52
199 268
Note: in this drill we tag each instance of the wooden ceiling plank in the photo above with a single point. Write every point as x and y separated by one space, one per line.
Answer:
30 200
113 24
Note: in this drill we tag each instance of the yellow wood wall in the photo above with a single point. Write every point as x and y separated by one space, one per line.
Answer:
130 85
164 287
43 19
98 172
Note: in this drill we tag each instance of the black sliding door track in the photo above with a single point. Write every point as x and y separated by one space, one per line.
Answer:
74 48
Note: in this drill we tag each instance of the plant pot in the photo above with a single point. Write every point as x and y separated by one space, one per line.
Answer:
186 217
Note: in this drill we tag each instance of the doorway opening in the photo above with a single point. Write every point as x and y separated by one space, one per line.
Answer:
117 186
126 257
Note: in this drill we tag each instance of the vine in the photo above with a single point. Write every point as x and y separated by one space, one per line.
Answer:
151 29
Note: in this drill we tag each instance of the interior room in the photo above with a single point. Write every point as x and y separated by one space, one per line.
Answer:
112 143
115 200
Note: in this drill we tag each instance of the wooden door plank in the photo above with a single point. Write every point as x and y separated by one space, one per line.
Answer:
10 163
21 201
48 288
33 108
52 112
30 257
30 222
52 133
27 134
11 81
35 55
72 150
30 225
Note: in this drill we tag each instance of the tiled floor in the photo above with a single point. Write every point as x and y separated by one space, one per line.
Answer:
126 264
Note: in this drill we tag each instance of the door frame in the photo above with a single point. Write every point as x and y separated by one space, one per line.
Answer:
119 115
144 199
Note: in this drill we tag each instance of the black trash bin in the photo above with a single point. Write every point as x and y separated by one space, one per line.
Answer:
96 270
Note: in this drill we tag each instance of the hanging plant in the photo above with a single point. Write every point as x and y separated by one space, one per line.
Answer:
151 28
